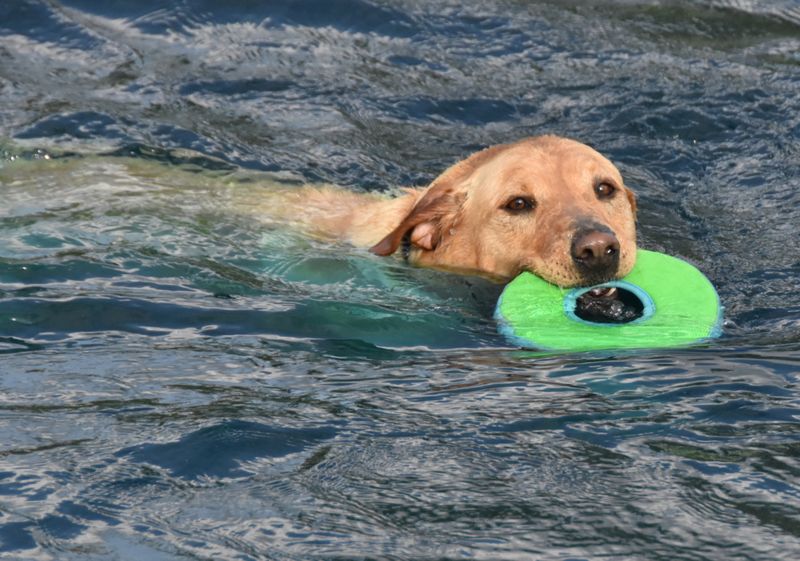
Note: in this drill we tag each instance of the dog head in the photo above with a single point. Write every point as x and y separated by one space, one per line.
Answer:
548 205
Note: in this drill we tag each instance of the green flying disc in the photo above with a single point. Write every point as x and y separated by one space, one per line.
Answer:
678 305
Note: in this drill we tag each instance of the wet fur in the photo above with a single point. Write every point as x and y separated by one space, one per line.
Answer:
460 222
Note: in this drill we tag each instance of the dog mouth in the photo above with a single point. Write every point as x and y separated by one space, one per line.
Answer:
603 292
608 304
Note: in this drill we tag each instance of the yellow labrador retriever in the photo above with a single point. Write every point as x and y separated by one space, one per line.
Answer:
548 205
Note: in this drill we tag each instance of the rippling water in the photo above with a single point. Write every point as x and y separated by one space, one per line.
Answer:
182 380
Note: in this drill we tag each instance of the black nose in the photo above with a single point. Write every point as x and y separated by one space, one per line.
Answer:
595 252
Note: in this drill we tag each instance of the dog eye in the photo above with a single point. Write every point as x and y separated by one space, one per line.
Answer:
520 204
604 190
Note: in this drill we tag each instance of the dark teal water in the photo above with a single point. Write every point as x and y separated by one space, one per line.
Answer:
182 380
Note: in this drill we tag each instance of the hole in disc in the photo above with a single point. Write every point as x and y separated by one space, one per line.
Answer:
609 306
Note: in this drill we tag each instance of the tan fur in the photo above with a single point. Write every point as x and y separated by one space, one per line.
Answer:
460 223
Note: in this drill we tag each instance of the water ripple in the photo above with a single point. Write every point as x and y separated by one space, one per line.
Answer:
181 378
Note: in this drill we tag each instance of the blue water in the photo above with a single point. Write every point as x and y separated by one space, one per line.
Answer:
182 379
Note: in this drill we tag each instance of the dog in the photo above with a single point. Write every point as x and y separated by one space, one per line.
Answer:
549 205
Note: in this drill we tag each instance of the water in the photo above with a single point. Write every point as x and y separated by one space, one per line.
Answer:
182 380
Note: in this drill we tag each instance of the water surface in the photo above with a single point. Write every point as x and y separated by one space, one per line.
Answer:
182 380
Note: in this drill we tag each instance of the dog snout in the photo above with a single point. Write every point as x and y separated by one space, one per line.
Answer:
595 252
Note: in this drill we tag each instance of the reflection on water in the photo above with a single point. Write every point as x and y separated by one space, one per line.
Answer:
181 379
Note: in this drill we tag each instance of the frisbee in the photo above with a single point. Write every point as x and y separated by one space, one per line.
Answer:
674 304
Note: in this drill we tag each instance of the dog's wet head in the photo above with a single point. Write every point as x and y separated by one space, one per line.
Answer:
548 205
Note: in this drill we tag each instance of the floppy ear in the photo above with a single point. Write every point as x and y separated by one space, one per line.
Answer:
438 208
631 199
424 223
